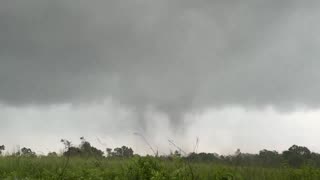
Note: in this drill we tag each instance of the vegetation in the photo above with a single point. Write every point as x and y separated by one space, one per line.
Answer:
2 147
87 162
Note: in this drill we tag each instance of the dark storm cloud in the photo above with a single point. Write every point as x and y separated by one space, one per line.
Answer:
170 54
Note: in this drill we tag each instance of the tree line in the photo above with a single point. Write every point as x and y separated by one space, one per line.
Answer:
296 156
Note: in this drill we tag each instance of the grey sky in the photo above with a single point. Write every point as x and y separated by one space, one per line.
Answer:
176 56
159 52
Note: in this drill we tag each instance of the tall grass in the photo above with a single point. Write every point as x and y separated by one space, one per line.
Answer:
18 167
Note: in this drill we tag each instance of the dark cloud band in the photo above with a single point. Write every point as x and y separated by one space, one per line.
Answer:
171 54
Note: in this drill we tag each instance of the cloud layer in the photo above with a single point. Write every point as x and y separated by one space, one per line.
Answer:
174 55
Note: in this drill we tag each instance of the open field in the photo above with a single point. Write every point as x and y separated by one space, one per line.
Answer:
14 167
87 162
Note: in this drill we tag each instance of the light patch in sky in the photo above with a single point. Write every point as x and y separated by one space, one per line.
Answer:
111 125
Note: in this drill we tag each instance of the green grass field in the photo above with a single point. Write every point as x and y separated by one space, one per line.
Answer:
18 167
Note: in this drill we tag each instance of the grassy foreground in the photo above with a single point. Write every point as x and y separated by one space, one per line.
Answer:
18 167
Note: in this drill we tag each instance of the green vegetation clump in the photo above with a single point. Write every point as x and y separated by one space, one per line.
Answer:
87 162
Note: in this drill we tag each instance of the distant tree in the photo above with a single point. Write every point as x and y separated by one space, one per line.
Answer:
52 154
269 158
88 150
123 151
237 158
66 143
126 151
27 152
117 152
84 150
72 151
204 157
238 152
109 152
176 153
2 148
69 150
314 159
296 156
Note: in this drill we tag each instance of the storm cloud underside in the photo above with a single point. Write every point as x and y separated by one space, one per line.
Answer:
173 55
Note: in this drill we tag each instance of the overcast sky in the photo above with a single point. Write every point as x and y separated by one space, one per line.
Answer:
236 74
